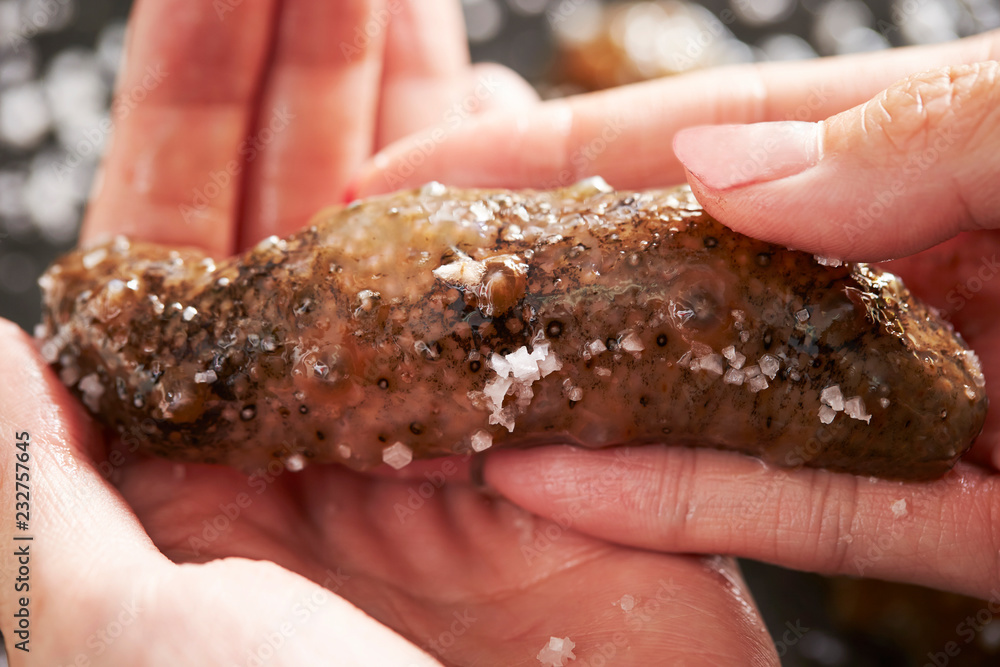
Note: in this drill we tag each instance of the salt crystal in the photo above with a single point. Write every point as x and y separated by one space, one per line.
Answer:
433 189
602 372
757 383
208 377
899 508
344 451
769 365
627 603
827 261
744 336
500 365
189 313
752 371
854 407
95 257
548 364
632 343
523 365
712 363
482 213
831 396
884 402
574 394
802 315
295 463
397 455
595 347
497 388
557 652
734 376
826 414
481 440
92 389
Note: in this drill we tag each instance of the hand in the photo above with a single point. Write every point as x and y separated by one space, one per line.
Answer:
897 173
196 564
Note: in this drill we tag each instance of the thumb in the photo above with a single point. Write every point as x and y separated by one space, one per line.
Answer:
910 168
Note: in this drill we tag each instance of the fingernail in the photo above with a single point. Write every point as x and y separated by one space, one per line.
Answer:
731 156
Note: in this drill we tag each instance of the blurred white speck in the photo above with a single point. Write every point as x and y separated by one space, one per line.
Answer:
45 15
295 463
50 202
835 20
528 7
627 603
17 272
111 47
786 47
12 194
927 22
762 12
483 19
899 508
576 21
78 95
24 115
861 40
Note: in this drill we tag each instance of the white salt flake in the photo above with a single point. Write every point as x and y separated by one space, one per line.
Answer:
899 508
344 451
744 336
632 343
397 455
884 402
547 361
757 383
482 213
481 440
523 365
735 359
189 313
752 371
712 363
734 376
433 189
831 396
92 389
574 394
627 603
208 377
769 365
94 257
826 414
827 261
595 347
854 407
295 463
557 652
603 372
802 315
496 389
500 365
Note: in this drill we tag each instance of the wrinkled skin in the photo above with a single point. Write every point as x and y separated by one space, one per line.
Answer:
380 329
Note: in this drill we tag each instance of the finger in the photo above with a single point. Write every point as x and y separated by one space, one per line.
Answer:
317 119
426 62
910 168
941 534
182 108
625 134
76 528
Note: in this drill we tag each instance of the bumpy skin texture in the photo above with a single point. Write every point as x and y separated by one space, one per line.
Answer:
397 324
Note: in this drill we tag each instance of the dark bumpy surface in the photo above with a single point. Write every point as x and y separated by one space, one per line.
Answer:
432 321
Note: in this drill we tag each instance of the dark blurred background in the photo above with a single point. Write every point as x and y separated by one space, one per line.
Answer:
58 60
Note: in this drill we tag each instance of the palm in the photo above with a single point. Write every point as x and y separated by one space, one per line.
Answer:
471 579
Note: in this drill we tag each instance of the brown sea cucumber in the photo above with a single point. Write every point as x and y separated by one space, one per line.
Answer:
433 321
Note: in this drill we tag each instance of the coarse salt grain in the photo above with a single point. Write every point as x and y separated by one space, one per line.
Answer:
557 652
397 455
481 441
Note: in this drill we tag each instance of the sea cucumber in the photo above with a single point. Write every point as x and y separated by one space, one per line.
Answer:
438 320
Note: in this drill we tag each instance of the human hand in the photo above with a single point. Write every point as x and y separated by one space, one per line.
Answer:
197 564
927 148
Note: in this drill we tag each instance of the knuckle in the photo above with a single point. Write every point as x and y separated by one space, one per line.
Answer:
952 102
